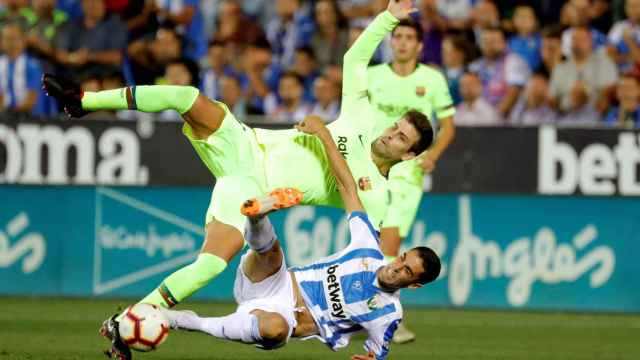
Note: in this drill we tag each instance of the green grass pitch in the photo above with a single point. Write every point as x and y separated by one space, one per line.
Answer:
51 329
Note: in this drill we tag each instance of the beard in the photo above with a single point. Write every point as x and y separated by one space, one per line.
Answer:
378 148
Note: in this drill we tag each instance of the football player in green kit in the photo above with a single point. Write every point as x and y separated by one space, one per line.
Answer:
394 89
248 162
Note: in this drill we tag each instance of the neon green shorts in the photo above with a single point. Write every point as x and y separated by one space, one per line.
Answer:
405 185
233 156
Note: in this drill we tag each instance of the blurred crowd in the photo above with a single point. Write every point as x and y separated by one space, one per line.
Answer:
507 62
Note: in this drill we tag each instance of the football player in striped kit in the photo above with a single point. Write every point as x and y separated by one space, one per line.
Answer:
350 291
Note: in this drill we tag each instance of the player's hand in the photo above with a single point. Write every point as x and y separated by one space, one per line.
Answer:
401 9
369 356
427 162
312 125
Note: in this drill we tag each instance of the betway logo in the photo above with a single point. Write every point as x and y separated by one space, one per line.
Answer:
597 170
40 154
333 289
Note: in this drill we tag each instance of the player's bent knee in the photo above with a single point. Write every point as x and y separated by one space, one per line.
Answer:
274 330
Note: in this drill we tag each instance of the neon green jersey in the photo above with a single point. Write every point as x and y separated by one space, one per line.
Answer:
392 95
293 159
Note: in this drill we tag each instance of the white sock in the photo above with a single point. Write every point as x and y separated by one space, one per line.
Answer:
240 327
259 234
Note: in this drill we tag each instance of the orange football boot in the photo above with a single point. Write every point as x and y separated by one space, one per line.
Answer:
281 198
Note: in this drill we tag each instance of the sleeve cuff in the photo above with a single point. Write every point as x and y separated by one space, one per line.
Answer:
389 18
446 113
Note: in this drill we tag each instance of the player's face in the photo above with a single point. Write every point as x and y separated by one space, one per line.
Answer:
396 142
405 44
403 272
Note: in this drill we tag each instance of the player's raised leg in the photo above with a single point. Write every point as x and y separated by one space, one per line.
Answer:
211 128
204 115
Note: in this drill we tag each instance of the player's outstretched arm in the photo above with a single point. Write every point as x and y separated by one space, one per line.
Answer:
314 125
357 58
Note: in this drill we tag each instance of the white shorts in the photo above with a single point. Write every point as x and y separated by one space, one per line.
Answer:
273 294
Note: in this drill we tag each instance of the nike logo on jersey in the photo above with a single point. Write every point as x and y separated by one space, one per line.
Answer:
333 289
361 141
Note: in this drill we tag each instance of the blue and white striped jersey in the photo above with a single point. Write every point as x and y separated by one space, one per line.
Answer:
343 295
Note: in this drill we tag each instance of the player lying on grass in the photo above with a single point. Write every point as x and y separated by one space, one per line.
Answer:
248 162
330 299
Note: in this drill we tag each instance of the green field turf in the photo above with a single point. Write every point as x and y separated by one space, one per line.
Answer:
32 328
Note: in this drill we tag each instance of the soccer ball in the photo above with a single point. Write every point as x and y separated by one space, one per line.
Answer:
143 327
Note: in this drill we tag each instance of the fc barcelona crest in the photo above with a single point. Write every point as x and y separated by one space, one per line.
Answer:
364 183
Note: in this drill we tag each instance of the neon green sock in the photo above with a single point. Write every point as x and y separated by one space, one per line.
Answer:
146 98
186 281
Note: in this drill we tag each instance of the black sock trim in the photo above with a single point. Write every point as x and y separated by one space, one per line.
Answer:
167 296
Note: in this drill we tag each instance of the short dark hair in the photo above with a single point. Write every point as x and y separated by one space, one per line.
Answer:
169 27
216 43
422 124
342 21
430 263
412 24
463 45
262 43
552 31
293 75
307 50
191 66
581 28
495 28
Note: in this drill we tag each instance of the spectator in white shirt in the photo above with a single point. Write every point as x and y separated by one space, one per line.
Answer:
288 106
326 93
587 78
532 107
576 13
503 73
474 109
